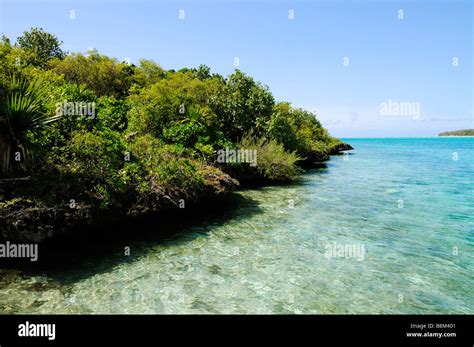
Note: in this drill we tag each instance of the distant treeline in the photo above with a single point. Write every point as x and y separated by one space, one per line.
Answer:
466 132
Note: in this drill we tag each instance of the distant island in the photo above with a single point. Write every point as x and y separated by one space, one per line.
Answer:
466 132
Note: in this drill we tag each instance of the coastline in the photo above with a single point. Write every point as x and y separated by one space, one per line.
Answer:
22 220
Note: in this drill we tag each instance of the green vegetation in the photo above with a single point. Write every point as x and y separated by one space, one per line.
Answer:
466 132
23 119
111 134
41 46
274 163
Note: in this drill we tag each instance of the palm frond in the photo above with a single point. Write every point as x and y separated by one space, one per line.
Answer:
24 116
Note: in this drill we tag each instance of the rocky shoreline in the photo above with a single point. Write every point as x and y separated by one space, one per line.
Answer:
24 221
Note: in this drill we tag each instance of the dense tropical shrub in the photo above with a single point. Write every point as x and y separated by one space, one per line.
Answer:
155 107
23 121
98 155
101 74
273 162
299 130
111 113
243 105
146 73
145 128
164 164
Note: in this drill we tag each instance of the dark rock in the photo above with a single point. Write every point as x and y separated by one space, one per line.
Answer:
340 147
24 221
317 157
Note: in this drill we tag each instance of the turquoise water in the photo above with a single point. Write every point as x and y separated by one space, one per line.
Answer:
408 202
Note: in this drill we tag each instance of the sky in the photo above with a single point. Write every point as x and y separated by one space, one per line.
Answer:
366 68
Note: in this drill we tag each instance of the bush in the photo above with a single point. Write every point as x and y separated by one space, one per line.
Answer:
98 154
196 133
273 162
111 113
162 165
93 161
101 74
154 108
299 130
242 105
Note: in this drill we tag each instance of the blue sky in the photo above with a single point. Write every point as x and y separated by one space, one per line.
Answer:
407 60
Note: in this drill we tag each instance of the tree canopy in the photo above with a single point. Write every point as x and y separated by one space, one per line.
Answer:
42 45
105 128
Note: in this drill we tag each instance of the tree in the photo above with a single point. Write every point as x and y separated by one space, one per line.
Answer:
244 106
5 40
44 46
147 73
203 72
155 107
103 75
281 127
12 59
22 120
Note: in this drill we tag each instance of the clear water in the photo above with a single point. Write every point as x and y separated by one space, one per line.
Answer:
405 200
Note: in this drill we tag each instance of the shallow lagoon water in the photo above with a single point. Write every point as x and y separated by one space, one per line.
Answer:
406 201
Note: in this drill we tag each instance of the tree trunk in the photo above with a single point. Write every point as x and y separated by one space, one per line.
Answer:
5 152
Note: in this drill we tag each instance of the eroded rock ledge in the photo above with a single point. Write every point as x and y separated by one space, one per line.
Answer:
24 221
340 147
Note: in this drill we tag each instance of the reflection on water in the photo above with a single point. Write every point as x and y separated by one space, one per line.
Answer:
267 252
